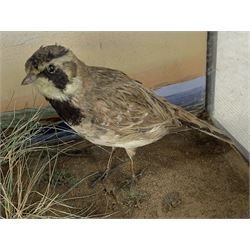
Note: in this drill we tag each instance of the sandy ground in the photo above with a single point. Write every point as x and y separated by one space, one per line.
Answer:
187 175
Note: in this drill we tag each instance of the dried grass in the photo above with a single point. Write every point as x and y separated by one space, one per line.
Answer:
22 167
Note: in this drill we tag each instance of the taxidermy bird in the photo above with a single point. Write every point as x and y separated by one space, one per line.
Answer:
104 105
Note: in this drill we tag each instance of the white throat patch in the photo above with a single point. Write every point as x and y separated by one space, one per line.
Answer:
47 89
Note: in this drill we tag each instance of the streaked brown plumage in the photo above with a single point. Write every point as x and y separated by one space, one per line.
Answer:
106 106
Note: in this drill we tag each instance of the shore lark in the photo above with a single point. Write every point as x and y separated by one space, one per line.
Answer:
104 105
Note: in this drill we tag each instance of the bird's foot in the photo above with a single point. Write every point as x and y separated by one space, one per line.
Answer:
133 180
99 177
102 176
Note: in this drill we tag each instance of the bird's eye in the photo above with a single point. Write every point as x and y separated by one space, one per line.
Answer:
51 69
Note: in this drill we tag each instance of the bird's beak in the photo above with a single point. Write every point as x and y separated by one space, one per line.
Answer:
30 78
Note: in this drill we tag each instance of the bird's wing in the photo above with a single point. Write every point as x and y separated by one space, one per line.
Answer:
123 103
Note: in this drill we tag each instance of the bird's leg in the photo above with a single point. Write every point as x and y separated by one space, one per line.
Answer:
107 170
103 175
131 153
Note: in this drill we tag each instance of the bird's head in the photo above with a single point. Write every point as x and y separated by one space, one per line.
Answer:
53 70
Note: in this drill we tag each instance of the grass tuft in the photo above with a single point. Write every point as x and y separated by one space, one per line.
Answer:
23 194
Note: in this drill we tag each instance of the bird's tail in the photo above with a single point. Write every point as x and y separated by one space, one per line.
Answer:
194 122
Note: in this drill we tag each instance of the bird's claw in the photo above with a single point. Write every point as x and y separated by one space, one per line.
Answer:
133 181
99 177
